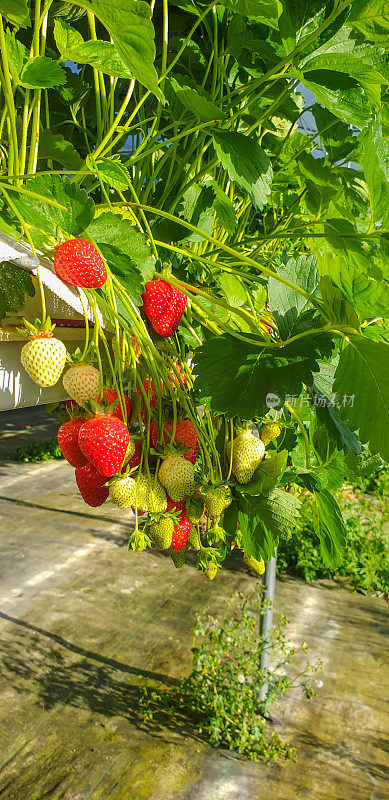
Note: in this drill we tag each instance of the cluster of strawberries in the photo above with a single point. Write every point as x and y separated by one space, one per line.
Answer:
106 457
150 470
100 448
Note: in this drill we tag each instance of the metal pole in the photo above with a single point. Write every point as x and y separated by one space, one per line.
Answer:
266 619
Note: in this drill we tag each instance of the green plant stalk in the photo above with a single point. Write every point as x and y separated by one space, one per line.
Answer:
9 99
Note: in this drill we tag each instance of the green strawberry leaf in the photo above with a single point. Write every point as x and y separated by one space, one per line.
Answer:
239 379
42 73
125 270
15 286
119 234
264 521
374 158
194 99
370 17
101 55
285 303
74 215
363 376
267 475
329 524
17 12
55 147
246 163
130 25
327 414
266 11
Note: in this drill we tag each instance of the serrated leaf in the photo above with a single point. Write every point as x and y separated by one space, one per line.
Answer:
55 147
15 285
330 528
363 374
129 23
42 73
268 519
17 54
267 11
113 172
370 17
194 99
72 219
295 19
233 290
101 55
341 95
351 64
230 518
327 414
246 163
338 308
266 476
286 304
342 257
236 378
110 229
224 209
17 12
125 270
374 157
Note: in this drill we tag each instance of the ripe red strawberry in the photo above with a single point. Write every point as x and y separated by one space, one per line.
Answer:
185 434
104 439
181 533
182 530
164 306
91 485
78 263
112 397
68 442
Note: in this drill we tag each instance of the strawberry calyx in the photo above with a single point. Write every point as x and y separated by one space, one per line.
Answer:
78 358
94 407
37 329
154 518
138 541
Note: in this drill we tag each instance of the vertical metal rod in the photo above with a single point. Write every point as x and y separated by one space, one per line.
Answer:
266 619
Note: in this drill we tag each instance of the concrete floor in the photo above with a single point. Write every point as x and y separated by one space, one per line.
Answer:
84 624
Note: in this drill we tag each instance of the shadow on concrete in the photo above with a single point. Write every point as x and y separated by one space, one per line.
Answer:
39 663
83 514
116 665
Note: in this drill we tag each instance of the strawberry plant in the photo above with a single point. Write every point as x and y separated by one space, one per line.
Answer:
234 285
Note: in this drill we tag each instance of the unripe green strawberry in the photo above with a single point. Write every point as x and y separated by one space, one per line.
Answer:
124 492
82 383
43 357
270 431
247 454
211 570
156 497
136 492
217 499
161 532
194 509
178 557
177 476
254 564
194 537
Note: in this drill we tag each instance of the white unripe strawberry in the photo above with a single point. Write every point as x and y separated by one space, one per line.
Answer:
44 356
177 476
247 453
82 383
